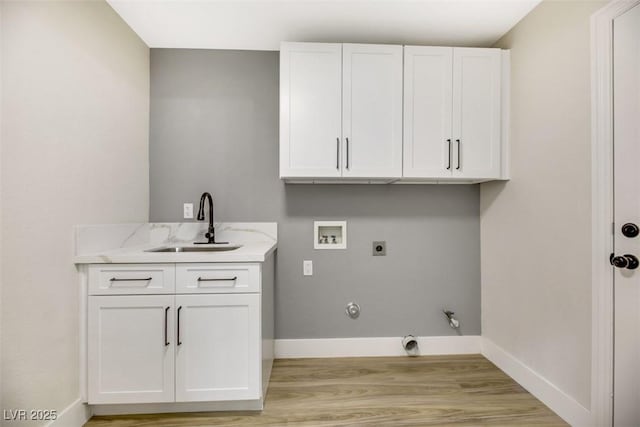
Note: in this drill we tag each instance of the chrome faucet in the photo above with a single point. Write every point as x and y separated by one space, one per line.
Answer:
211 232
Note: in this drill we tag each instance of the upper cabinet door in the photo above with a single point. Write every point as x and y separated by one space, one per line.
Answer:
428 89
310 109
476 113
372 111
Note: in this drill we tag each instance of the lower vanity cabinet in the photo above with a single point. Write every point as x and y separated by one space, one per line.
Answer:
191 347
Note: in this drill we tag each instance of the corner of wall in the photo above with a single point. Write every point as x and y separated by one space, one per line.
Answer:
530 223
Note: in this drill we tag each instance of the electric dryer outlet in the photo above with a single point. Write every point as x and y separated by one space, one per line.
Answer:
380 248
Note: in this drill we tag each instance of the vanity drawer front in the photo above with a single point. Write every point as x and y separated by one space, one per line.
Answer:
217 278
131 279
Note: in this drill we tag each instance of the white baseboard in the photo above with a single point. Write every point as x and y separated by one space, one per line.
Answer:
559 402
371 347
74 415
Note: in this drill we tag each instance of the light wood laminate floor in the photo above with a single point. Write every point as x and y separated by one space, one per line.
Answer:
376 391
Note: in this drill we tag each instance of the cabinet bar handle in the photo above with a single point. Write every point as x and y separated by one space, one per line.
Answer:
178 328
347 153
113 279
338 153
449 155
234 278
166 315
458 167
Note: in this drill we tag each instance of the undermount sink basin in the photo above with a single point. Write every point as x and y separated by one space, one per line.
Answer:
194 249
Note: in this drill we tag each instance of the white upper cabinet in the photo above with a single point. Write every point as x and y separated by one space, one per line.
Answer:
476 113
428 96
340 111
358 113
310 109
372 110
452 115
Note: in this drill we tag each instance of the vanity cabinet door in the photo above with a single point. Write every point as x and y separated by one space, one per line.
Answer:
130 349
217 347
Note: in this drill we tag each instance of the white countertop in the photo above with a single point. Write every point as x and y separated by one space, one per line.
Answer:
256 244
248 252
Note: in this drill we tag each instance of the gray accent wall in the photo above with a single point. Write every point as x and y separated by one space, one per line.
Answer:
214 127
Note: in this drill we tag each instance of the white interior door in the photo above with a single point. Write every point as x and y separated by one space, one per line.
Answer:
310 109
476 113
428 88
372 111
218 347
130 349
626 211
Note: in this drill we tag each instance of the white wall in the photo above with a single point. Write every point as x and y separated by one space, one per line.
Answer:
536 229
75 109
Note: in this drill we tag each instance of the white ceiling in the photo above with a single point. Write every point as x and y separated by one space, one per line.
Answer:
262 24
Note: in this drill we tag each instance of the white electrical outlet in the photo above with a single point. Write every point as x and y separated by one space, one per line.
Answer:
188 210
307 268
